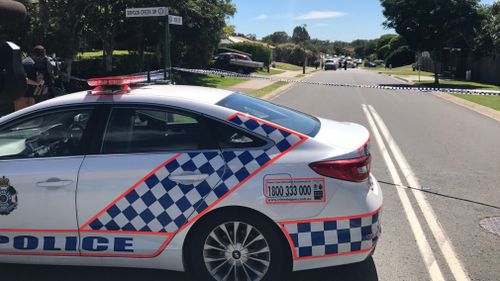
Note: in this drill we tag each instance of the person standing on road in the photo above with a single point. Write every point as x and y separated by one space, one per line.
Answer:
345 65
32 78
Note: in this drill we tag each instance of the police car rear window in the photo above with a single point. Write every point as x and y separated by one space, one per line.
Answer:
285 117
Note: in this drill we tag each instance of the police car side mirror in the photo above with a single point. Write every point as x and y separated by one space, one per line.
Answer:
12 75
237 138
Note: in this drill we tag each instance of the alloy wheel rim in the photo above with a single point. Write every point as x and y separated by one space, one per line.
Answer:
236 251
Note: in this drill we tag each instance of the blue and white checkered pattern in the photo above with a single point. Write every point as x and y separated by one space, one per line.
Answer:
161 205
330 237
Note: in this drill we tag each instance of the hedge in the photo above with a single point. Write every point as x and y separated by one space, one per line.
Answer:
258 52
292 54
401 56
123 64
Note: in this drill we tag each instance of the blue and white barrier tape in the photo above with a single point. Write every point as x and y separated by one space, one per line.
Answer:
158 75
408 88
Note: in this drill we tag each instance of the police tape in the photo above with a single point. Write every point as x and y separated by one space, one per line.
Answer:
223 73
158 75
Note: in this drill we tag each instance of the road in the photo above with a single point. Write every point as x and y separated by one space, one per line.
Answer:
447 148
417 140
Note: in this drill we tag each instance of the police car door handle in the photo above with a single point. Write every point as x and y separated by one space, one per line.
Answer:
188 178
53 182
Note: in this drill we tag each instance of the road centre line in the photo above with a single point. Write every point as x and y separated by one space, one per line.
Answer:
443 241
422 243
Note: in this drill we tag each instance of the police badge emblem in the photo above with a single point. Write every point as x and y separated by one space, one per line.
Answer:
8 197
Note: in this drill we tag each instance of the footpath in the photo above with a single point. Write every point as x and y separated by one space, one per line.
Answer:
253 85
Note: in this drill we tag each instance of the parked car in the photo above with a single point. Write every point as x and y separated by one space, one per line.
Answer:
219 184
236 62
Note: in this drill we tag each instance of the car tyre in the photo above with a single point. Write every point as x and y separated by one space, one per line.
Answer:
244 246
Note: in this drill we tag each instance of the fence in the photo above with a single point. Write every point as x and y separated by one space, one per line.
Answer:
484 69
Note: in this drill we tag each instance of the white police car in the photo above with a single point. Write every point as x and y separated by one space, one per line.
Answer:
219 184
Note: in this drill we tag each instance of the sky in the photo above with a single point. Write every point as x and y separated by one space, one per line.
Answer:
332 20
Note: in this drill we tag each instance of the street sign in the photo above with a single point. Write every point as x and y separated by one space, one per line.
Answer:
175 20
146 12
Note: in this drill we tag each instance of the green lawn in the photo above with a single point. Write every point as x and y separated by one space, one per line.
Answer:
94 54
218 82
489 101
402 70
287 66
266 90
456 84
271 72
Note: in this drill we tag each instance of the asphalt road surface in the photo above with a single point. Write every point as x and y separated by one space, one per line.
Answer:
418 140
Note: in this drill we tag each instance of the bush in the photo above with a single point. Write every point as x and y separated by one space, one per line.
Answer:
258 52
402 56
123 64
292 54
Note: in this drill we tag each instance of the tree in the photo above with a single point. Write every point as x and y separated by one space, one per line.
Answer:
107 19
382 48
487 39
229 30
278 37
301 36
430 24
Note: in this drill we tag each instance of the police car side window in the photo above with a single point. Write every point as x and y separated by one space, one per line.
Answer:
132 130
231 137
46 135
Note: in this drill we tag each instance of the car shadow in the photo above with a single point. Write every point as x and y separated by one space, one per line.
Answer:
364 271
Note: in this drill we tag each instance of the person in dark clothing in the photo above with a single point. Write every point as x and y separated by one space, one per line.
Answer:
6 108
34 80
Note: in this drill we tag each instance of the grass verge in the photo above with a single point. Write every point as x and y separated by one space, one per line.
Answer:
488 101
456 84
217 81
266 90
287 66
402 70
272 71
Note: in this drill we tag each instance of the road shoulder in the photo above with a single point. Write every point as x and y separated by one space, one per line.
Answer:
481 109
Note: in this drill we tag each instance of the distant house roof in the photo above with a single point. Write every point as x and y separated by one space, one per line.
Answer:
237 39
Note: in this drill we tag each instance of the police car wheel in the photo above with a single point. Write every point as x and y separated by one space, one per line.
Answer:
230 247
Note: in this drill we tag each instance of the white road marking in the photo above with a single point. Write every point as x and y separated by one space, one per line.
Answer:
443 242
422 243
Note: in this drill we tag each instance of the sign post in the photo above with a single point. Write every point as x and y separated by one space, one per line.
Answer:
167 72
159 12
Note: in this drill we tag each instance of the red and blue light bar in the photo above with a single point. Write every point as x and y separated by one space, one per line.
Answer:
119 84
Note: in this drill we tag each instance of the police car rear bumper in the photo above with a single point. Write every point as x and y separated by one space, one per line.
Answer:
338 241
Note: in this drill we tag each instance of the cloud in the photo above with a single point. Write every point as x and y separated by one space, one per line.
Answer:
314 15
262 17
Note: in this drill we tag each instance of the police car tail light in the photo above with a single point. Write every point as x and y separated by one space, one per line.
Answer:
357 169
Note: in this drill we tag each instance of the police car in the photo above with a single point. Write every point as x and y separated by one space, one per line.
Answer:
219 184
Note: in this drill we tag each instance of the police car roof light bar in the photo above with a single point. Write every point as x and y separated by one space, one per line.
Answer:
114 84
116 80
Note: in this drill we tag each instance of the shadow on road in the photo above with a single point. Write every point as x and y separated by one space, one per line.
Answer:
364 271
